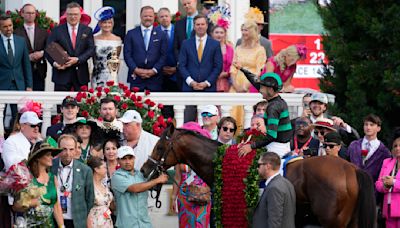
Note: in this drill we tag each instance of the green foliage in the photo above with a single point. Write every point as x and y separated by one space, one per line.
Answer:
363 45
217 201
41 20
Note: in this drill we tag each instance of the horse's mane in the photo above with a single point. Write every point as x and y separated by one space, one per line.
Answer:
197 135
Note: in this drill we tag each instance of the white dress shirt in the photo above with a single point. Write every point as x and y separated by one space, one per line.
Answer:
63 173
15 149
204 39
5 42
374 145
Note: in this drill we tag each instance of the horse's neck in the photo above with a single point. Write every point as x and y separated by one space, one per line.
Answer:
199 156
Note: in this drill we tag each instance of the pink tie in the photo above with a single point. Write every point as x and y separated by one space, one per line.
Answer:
73 37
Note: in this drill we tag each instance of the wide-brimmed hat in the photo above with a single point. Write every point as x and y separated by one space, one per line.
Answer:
41 148
256 15
71 128
324 122
85 18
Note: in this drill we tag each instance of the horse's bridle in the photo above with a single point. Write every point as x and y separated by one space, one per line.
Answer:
158 169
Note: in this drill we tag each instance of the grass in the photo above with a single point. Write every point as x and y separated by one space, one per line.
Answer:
297 18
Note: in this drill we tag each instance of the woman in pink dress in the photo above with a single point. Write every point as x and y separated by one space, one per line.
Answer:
389 184
284 64
219 33
190 214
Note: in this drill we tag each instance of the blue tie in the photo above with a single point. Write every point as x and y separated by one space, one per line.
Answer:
146 38
189 27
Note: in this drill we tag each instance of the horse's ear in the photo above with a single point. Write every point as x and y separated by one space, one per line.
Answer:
170 130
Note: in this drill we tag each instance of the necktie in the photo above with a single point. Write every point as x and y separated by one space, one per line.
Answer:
200 50
167 31
189 27
146 38
31 36
73 38
10 53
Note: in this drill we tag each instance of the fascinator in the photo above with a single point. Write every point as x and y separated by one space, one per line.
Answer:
32 106
220 16
85 18
102 14
255 15
301 50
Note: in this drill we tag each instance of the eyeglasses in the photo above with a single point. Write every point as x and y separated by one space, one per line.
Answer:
317 132
260 164
301 123
329 145
35 125
207 114
231 130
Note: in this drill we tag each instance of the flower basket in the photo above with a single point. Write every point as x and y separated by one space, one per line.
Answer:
89 104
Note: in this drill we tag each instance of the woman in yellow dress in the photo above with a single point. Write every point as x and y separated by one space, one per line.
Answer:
251 56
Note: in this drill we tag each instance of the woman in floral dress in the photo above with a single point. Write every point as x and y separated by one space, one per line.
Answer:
100 214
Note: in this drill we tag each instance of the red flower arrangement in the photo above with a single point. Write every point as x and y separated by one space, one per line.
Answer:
89 104
42 21
17 178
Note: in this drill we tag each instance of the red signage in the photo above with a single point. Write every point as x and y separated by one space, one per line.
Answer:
308 71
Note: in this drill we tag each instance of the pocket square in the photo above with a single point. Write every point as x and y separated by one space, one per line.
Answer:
156 40
84 36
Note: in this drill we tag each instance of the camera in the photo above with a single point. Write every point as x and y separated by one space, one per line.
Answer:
310 152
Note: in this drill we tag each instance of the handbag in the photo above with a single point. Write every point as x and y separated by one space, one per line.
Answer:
200 195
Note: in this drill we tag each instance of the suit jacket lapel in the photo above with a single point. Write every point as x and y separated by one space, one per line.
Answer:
206 48
195 49
3 51
68 37
78 37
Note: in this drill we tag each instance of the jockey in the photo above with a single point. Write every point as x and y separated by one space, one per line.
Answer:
277 120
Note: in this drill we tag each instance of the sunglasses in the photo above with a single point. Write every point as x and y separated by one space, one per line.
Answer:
207 114
330 146
35 125
260 164
231 130
317 132
301 123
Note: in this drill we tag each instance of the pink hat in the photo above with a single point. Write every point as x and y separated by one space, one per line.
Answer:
193 126
85 18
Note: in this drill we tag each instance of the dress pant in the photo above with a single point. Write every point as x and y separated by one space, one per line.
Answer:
38 81
13 107
169 86
190 113
69 223
5 213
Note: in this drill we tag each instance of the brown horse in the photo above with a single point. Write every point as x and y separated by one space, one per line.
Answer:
338 194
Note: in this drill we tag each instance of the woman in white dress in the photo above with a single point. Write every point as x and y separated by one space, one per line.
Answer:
106 43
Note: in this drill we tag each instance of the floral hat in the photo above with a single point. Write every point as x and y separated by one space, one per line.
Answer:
85 18
255 15
220 16
102 14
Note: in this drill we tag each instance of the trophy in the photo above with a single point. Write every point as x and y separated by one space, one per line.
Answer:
113 64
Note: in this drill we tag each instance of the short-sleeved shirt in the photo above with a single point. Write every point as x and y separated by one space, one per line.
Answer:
131 207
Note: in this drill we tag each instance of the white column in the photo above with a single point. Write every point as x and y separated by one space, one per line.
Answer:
90 8
2 106
225 110
179 113
248 113
238 10
46 118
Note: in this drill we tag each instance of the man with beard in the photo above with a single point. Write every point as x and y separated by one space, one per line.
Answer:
302 142
209 115
130 190
108 111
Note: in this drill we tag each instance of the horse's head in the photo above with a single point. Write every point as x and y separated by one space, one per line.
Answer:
163 155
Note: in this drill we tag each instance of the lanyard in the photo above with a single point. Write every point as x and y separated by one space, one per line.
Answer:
296 149
64 187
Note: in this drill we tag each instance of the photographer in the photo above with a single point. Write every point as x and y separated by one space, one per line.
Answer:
303 143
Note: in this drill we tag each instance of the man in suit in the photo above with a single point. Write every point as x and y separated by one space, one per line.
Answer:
277 205
35 39
200 63
15 67
145 53
77 41
75 184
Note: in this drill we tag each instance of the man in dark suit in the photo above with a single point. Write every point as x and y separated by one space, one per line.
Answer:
35 39
77 41
15 67
277 205
145 53
75 184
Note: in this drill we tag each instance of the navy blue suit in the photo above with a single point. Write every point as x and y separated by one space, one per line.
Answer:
77 75
135 55
208 69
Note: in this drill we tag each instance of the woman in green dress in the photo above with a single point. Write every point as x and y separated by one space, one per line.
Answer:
39 162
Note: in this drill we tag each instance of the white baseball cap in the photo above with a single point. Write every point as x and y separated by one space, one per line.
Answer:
29 117
321 97
125 150
131 116
210 109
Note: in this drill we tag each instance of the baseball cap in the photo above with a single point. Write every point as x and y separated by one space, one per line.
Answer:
321 97
210 109
29 117
131 116
69 101
125 150
333 137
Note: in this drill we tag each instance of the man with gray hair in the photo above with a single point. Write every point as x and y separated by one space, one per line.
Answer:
140 140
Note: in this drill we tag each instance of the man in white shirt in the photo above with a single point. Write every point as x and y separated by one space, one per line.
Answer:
140 140
17 147
210 118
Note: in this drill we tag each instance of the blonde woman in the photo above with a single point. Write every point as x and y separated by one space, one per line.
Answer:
284 64
251 56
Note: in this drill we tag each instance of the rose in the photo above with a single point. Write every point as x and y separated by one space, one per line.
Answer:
84 88
147 92
124 106
127 93
91 90
117 98
150 114
147 101
110 83
99 89
85 113
152 104
98 94
160 106
106 90
364 153
100 119
135 89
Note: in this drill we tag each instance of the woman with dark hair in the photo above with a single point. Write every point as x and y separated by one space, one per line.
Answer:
110 148
100 214
39 162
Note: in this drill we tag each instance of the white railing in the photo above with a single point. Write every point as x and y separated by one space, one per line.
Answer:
50 100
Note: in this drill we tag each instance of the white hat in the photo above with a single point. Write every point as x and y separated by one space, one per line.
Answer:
210 109
131 116
29 117
321 97
125 150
